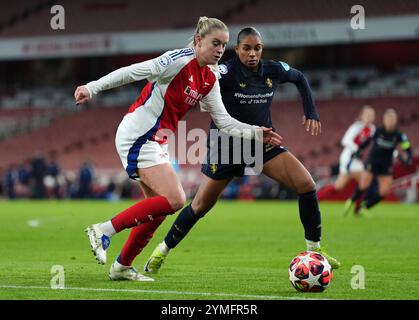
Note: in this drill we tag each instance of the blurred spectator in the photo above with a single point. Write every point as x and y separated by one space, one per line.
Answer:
85 181
71 189
23 174
38 172
247 185
1 181
22 188
128 191
111 191
232 189
53 170
9 182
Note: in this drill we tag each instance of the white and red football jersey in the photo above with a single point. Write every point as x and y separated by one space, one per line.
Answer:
356 134
176 84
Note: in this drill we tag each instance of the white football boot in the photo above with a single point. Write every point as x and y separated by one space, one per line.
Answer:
119 272
99 242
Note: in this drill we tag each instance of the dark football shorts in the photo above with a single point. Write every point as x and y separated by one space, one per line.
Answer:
379 169
219 171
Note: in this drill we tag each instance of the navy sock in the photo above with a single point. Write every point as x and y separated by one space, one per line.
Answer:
373 200
310 215
180 228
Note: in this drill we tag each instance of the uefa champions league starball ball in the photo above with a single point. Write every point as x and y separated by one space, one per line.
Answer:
309 271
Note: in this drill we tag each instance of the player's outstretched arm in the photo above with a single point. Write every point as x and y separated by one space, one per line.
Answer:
114 79
213 103
150 69
311 119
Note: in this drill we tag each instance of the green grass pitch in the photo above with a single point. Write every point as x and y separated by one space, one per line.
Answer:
241 250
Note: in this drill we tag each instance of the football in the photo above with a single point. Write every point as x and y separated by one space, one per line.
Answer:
309 271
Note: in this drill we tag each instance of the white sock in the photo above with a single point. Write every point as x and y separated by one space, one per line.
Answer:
119 267
312 245
164 248
107 228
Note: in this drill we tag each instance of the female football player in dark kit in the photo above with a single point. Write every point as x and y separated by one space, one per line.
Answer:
245 78
380 163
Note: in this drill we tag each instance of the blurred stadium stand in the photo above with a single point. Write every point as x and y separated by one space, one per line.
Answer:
302 10
24 20
37 111
21 18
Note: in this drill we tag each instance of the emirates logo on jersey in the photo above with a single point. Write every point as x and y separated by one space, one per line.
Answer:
192 96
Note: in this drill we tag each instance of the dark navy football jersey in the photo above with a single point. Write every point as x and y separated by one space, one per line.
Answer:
248 95
384 144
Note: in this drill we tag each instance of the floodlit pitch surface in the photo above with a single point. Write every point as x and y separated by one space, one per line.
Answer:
241 250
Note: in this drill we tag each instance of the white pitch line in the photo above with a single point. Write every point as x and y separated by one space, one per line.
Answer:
208 294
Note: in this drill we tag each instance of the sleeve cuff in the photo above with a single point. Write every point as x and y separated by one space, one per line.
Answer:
89 90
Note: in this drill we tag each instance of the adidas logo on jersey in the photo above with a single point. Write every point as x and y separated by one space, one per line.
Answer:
191 79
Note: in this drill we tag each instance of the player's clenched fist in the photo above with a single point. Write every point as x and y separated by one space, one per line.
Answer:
81 95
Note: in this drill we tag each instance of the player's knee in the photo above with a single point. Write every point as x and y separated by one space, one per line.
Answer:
384 192
177 201
305 186
339 187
